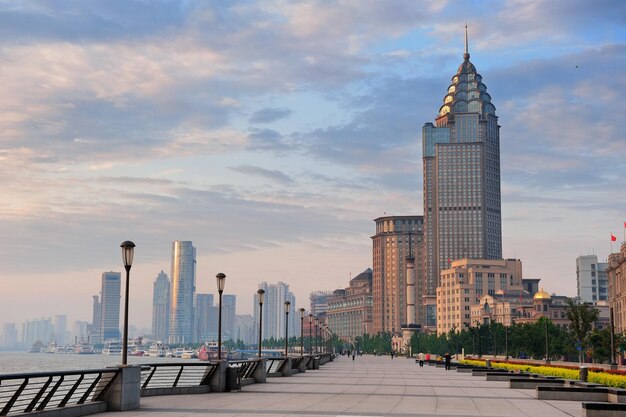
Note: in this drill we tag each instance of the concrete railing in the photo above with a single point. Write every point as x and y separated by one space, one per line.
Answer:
43 391
78 393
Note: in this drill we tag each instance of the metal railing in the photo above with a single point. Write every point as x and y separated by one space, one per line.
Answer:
173 375
274 365
245 369
39 391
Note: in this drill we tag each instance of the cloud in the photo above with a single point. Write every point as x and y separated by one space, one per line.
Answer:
273 174
269 115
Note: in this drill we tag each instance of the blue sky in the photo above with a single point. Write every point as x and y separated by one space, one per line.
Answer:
272 133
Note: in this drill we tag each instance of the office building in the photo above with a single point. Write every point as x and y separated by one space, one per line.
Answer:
182 292
274 311
60 329
9 335
461 165
96 321
591 279
319 303
466 281
37 330
161 307
110 306
245 329
229 324
349 312
205 318
397 238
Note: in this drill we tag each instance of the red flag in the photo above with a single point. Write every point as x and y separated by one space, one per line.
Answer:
613 237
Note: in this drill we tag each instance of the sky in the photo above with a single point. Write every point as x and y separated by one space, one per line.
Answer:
272 132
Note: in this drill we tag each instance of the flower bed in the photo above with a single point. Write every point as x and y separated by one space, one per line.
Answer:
596 375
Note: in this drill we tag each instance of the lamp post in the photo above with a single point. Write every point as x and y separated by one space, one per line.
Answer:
221 280
310 333
301 331
261 296
128 251
317 322
287 307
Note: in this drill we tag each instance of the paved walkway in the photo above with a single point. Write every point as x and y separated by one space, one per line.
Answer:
369 386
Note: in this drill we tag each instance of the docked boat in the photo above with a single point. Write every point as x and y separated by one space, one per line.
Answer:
37 347
84 348
189 354
52 348
112 347
157 349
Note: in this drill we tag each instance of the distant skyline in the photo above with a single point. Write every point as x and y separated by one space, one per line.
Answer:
271 133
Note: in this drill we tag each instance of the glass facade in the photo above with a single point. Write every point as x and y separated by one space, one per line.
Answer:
183 290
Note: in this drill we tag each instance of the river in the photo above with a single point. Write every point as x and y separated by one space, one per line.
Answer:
19 362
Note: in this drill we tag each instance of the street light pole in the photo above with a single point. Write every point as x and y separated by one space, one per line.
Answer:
287 307
221 280
261 296
317 322
310 333
128 251
301 331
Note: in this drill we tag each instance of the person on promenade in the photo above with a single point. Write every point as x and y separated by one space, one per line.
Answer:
447 360
420 357
353 354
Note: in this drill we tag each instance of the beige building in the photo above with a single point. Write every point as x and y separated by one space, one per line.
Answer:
349 311
466 281
616 272
502 307
394 235
553 307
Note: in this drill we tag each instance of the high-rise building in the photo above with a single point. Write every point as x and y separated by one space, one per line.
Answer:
182 292
229 324
396 238
274 311
591 279
96 321
161 307
461 164
60 329
37 330
9 335
205 318
110 305
245 329
465 282
319 302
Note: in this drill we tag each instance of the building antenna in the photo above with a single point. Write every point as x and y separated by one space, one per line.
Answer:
466 55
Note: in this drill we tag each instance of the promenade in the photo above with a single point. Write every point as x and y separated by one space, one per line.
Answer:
369 386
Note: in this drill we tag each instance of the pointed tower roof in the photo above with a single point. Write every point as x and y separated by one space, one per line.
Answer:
467 93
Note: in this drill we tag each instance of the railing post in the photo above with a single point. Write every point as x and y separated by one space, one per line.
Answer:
125 391
218 379
259 374
285 369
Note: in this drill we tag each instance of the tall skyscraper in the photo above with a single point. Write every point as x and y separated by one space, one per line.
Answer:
394 236
161 307
183 290
110 306
96 321
9 335
205 318
60 329
591 279
461 156
229 324
274 311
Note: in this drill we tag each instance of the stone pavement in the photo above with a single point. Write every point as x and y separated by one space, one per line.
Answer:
369 386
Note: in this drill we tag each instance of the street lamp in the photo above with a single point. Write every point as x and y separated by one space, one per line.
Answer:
287 307
128 251
301 331
261 296
310 333
221 280
317 322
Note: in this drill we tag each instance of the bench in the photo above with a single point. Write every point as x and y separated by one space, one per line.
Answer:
599 409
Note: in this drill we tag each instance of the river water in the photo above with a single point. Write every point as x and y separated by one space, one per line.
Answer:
18 362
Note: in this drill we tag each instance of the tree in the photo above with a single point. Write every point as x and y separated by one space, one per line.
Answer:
582 317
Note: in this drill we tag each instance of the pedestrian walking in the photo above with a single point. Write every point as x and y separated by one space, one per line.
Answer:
447 360
353 354
420 357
